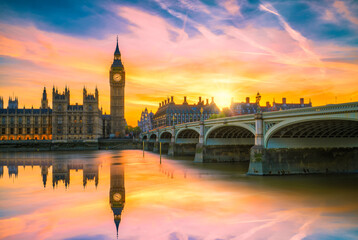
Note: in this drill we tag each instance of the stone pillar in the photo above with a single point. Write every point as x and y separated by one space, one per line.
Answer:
200 147
257 152
156 144
146 144
259 136
171 150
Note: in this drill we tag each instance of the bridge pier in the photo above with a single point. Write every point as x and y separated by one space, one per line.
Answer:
165 147
171 150
226 153
258 152
156 147
146 145
281 161
200 147
156 144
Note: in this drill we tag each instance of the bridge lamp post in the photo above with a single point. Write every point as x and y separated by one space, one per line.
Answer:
201 136
258 98
200 148
259 123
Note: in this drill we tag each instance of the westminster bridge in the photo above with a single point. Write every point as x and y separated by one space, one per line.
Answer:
308 140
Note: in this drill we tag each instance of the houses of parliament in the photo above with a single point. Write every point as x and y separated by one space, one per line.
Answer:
65 122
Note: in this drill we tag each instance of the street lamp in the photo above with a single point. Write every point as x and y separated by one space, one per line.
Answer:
201 114
258 98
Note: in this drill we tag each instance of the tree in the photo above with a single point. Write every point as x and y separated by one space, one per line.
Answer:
133 131
226 112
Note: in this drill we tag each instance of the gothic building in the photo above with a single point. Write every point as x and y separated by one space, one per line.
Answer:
25 123
66 122
117 79
76 122
169 113
146 121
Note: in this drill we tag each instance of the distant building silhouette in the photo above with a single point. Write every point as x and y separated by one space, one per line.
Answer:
170 113
248 107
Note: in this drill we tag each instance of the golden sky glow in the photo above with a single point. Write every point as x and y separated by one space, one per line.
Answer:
192 56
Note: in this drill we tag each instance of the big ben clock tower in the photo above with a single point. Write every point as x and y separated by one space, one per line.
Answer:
117 84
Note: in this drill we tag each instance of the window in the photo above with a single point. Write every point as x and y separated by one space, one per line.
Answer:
44 130
59 130
90 107
36 131
12 121
28 120
36 120
3 121
3 131
59 120
28 131
44 120
89 130
20 130
59 108
20 120
11 130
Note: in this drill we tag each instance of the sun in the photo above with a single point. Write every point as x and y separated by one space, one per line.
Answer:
223 98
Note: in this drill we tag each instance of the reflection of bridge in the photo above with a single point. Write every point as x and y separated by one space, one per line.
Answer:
309 140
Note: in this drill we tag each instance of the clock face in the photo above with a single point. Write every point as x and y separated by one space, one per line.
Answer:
117 197
117 77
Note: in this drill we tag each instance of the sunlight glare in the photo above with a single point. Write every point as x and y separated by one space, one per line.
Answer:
222 98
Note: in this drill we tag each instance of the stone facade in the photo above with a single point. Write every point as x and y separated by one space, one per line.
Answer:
146 121
76 122
66 122
117 83
169 113
25 123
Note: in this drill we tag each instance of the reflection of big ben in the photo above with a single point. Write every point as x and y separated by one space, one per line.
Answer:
117 192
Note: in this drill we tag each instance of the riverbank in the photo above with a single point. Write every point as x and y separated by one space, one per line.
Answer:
48 145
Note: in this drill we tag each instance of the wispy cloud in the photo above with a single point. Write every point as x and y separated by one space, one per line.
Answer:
229 49
343 9
302 41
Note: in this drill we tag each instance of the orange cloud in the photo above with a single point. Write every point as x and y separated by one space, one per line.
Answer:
162 60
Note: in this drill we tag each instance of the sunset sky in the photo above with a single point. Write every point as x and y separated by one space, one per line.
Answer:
181 48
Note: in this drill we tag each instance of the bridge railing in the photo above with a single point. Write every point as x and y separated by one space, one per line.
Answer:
332 108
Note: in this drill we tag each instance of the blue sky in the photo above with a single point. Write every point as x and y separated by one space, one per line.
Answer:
225 49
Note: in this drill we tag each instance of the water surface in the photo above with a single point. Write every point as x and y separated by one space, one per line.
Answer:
87 195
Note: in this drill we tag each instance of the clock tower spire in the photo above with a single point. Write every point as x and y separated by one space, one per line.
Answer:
117 84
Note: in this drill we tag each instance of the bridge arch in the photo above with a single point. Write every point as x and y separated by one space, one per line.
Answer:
165 136
228 132
314 132
187 135
145 137
152 137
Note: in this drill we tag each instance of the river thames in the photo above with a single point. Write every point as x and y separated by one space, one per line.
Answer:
86 195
